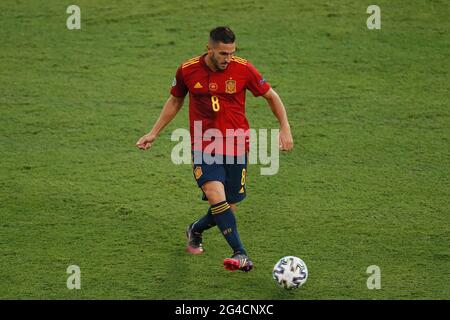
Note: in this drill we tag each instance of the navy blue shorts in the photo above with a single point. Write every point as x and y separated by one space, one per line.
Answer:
230 170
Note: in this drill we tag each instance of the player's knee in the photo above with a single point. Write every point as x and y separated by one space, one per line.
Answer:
214 196
214 191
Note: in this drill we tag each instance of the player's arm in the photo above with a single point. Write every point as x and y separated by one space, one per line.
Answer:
169 111
278 109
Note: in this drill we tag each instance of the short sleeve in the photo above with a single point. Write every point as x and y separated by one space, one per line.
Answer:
255 82
179 88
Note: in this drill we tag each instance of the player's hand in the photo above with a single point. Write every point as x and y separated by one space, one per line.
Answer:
145 142
286 141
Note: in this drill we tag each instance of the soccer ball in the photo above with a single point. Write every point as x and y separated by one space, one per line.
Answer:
290 272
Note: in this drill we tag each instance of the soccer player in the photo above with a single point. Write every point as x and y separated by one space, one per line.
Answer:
217 82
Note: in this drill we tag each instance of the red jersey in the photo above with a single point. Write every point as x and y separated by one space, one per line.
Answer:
217 102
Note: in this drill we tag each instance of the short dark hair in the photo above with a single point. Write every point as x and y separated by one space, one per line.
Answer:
222 34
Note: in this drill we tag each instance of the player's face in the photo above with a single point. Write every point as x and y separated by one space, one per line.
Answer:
221 54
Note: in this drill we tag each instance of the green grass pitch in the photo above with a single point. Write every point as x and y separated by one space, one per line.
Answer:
366 184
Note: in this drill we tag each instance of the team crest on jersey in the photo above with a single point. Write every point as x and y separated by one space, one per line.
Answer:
198 172
230 86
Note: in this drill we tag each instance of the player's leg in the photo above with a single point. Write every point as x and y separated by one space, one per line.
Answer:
211 178
207 221
222 213
214 191
226 222
235 190
195 230
203 173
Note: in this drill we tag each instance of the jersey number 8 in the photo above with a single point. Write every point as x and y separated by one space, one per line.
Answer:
215 103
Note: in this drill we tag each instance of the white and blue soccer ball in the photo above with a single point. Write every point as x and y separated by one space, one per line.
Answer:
290 272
